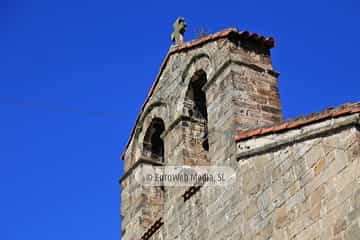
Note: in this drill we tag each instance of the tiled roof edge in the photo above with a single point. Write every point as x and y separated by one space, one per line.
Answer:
342 110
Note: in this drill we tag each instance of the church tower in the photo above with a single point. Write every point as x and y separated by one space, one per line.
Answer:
207 91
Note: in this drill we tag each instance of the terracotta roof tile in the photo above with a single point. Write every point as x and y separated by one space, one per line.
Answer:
256 132
356 110
340 112
294 124
302 121
280 127
243 135
267 130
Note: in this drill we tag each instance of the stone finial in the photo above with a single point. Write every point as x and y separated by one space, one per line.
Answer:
179 29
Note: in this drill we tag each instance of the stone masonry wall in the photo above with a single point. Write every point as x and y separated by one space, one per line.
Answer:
308 189
300 184
241 93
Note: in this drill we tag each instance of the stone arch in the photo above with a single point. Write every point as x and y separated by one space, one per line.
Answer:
153 144
196 130
196 96
154 108
158 109
199 62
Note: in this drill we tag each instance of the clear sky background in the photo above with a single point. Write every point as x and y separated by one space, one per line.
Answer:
74 73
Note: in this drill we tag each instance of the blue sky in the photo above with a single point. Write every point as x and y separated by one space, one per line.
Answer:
74 74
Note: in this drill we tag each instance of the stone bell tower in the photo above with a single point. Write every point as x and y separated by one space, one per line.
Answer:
207 91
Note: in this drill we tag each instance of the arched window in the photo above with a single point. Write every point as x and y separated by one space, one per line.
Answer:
196 104
153 143
197 96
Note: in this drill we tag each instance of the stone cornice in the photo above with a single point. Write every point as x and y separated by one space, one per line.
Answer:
142 160
179 119
265 143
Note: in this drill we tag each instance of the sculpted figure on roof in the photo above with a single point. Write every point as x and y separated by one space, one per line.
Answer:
179 29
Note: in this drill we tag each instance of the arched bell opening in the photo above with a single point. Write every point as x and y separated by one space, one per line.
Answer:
153 143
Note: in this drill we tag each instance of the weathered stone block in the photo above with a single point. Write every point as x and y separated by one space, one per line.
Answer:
353 233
